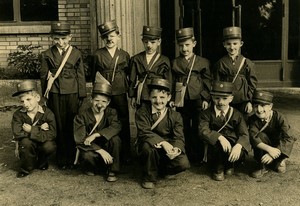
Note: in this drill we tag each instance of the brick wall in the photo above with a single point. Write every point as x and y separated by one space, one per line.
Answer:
77 12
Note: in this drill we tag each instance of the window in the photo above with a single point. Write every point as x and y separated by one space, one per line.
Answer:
28 10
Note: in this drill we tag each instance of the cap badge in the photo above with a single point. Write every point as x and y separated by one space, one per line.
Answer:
103 27
260 94
19 85
221 85
179 31
148 29
58 24
230 29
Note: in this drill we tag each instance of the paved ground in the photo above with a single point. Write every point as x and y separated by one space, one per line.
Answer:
193 187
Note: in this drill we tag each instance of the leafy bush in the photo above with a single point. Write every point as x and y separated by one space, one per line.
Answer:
25 60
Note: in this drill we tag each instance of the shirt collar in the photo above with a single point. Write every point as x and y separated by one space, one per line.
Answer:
269 118
61 50
154 110
40 109
218 112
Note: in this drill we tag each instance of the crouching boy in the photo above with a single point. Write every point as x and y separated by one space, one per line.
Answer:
224 129
34 129
160 143
270 135
96 134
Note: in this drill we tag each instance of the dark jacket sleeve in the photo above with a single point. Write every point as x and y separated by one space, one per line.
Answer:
177 127
81 78
16 124
114 125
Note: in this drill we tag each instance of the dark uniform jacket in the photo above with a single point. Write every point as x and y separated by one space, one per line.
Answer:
44 115
109 127
104 63
246 81
235 131
200 80
170 128
139 69
278 131
72 77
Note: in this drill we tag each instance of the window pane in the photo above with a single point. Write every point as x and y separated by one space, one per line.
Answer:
39 10
6 10
262 27
294 30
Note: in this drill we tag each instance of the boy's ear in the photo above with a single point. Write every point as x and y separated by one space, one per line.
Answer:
242 43
195 43
169 97
159 41
230 98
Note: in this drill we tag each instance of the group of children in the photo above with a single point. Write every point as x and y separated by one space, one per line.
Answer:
186 111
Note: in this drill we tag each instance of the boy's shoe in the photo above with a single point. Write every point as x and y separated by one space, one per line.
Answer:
218 176
44 167
260 173
111 177
229 171
22 174
148 185
281 168
89 173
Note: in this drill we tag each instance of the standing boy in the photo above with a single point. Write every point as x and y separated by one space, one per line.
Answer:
112 63
63 83
147 65
193 72
225 131
235 68
160 143
96 134
271 135
34 129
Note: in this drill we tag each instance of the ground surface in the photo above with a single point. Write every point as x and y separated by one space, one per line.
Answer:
193 187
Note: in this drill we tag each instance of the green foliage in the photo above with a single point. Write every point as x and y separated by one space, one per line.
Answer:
25 60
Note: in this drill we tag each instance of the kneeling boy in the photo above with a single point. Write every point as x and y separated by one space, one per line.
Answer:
270 135
34 129
225 131
160 143
96 134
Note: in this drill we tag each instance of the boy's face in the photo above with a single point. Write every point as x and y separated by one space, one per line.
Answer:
263 111
159 99
222 102
111 39
61 41
99 103
151 46
233 46
30 101
186 47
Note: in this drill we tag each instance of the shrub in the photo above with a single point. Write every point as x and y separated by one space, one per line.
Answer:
25 60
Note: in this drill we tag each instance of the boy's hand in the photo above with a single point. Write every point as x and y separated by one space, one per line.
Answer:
266 159
235 153
204 105
248 108
89 139
26 127
45 126
108 159
274 152
133 102
225 144
167 146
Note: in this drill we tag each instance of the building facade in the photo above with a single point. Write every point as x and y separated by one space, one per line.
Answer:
271 28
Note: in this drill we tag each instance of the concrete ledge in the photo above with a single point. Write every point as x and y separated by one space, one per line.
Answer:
285 90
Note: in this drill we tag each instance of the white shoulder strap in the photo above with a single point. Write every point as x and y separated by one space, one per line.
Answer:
241 65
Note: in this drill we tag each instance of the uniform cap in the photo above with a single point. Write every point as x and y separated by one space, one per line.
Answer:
25 86
184 33
108 27
232 33
151 32
264 97
157 83
221 88
102 88
60 28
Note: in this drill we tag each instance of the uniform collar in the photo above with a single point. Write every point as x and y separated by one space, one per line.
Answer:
269 117
218 112
154 110
61 50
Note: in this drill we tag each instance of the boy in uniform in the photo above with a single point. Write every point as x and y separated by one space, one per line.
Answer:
63 84
235 68
113 63
271 135
147 65
225 131
34 129
193 72
160 141
96 134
